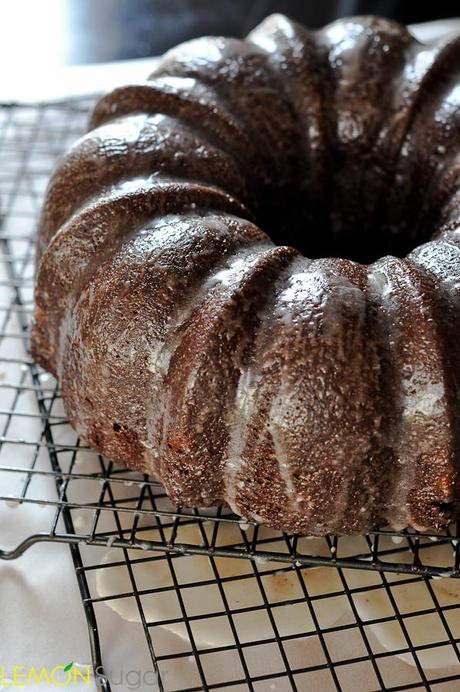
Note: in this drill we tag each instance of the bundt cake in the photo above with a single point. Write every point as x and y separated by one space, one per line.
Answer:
248 277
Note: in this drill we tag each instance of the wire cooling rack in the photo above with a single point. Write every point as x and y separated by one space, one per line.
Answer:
220 603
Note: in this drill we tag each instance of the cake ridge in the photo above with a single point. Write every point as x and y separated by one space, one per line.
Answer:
428 96
135 207
226 305
213 105
136 159
418 370
238 419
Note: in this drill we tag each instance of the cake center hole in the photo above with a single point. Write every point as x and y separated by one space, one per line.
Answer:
363 226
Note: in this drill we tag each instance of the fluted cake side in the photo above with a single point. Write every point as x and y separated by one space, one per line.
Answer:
249 271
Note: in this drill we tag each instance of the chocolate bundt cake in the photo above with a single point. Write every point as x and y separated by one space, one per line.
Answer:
248 276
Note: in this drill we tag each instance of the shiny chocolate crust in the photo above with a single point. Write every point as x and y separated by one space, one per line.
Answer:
248 276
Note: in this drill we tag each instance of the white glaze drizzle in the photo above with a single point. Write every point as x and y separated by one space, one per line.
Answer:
275 417
245 400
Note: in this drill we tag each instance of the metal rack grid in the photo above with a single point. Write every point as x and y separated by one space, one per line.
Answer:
249 573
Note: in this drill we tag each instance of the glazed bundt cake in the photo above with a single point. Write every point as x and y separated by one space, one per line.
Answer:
249 272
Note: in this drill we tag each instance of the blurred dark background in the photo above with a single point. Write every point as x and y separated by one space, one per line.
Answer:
63 32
